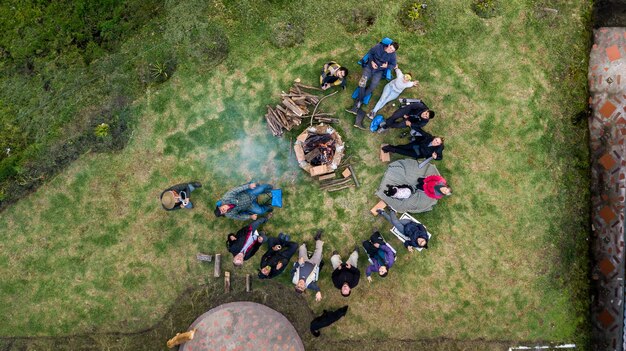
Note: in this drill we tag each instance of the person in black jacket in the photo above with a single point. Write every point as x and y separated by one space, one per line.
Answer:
275 260
424 146
177 196
345 275
246 242
415 115
325 319
415 232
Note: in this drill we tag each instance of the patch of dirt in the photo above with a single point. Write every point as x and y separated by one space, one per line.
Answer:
609 13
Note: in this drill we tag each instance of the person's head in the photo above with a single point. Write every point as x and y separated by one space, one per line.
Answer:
238 259
437 141
407 77
266 270
422 242
221 210
446 190
391 48
428 114
168 200
383 271
345 290
342 72
300 286
391 190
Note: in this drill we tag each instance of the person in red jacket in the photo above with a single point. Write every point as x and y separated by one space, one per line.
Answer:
434 186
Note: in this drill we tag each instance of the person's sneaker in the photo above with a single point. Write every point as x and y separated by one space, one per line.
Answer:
352 110
380 211
318 235
196 185
402 101
370 115
360 127
381 130
335 253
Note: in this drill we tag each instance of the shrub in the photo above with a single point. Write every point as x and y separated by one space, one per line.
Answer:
485 8
286 34
416 16
359 20
101 130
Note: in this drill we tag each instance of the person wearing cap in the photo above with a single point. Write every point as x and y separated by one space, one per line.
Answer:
415 232
423 146
178 196
380 57
392 90
332 75
246 242
345 275
279 252
414 115
306 270
434 186
241 203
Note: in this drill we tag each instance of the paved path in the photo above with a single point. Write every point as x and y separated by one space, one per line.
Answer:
607 85
243 326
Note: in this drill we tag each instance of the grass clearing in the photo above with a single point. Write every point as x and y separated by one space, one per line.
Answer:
93 251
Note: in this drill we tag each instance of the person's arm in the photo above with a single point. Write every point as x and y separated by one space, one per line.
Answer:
399 74
257 223
235 214
288 251
439 152
370 269
313 286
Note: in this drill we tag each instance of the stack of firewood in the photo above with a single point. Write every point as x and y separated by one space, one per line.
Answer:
293 108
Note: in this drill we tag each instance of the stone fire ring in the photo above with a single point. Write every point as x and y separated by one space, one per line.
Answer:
298 148
243 326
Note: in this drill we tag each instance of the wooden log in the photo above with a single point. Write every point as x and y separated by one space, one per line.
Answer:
327 176
340 188
336 183
380 205
356 181
204 257
311 155
217 269
300 85
248 283
226 282
346 173
181 338
292 106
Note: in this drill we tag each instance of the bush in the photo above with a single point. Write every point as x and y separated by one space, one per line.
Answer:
416 16
286 34
485 8
359 20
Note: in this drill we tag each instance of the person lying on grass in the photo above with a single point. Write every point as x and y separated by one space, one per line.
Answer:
306 271
415 116
275 260
332 75
177 196
434 186
241 203
345 275
392 90
381 254
246 242
416 232
423 146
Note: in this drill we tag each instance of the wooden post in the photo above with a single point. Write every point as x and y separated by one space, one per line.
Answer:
218 264
356 182
248 283
226 282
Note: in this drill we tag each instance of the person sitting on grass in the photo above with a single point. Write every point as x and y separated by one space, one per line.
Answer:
434 186
345 275
401 192
415 116
306 271
275 260
423 146
240 203
380 57
332 75
381 254
177 196
246 242
415 232
392 90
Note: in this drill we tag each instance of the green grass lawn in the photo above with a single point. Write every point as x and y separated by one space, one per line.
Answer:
92 250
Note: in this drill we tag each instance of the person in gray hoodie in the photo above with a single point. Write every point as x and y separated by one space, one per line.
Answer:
306 270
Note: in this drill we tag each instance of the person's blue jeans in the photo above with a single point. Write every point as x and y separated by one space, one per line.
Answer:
367 74
255 208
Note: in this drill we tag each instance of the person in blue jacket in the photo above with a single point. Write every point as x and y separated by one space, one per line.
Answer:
379 58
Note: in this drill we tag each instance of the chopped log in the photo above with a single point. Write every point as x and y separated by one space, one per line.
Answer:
218 264
311 155
248 283
356 181
340 188
380 205
292 106
226 282
346 173
181 338
204 257
327 176
300 85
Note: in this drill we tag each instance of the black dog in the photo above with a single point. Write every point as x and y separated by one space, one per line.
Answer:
327 318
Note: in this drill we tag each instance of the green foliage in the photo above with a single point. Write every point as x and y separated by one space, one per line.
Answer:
416 16
485 8
287 34
101 130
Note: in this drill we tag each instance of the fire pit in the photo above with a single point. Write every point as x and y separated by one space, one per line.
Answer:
319 149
